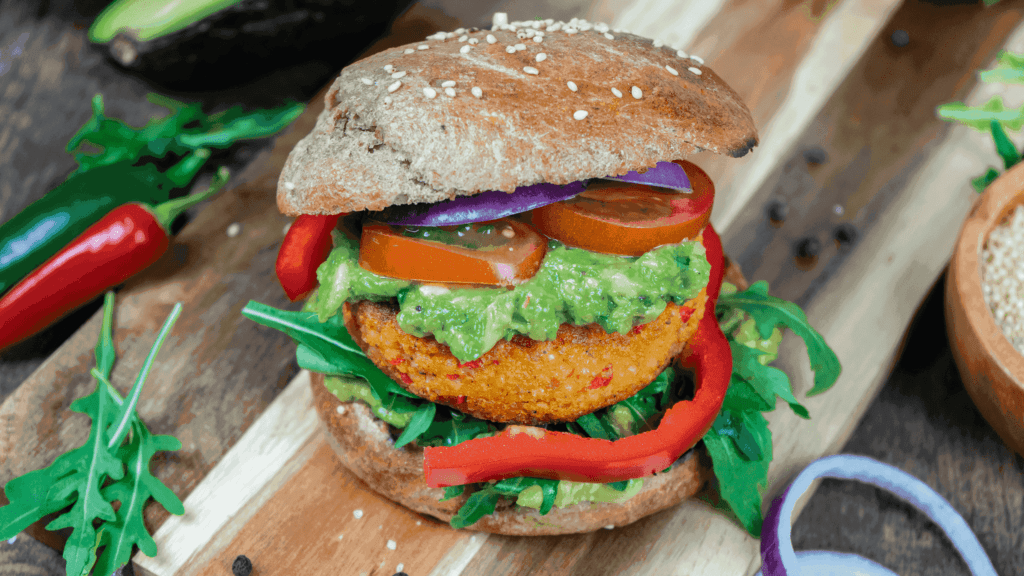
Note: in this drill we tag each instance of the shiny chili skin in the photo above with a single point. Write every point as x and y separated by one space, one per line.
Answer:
122 243
305 247
50 223
537 453
125 241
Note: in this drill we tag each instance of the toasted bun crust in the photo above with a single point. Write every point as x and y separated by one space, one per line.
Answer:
526 381
374 147
365 447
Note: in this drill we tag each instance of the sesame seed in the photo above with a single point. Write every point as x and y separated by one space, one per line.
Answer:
387 100
658 43
429 92
508 232
474 41
399 74
610 527
409 50
510 49
680 53
448 84
392 544
671 70
530 70
341 408
476 91
423 47
571 85
463 38
697 59
459 31
366 81
450 92
289 185
636 92
395 86
465 49
617 93
520 46
234 229
357 513
580 114
389 68
542 57
400 567
571 31
538 39
695 70
491 39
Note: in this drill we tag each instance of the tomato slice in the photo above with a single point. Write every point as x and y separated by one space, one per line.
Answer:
496 253
629 219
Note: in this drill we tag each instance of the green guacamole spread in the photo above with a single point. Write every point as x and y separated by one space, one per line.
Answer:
572 286
570 493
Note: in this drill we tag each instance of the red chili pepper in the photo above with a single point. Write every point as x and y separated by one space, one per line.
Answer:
125 241
537 453
305 247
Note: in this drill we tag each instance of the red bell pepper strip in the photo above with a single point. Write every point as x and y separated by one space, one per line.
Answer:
125 241
537 453
305 247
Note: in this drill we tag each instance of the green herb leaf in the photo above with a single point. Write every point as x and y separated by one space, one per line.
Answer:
767 381
421 420
452 492
742 479
982 182
769 312
185 129
133 491
1009 70
479 504
1007 151
980 117
330 341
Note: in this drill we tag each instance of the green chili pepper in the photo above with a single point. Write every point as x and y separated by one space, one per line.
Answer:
50 223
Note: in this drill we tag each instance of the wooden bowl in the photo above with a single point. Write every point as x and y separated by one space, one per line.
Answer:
991 368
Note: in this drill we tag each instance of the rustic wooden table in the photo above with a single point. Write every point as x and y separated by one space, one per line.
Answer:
845 149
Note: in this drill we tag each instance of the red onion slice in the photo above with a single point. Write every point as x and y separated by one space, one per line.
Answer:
481 207
777 553
663 175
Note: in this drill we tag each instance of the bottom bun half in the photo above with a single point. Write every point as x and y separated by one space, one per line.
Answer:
365 446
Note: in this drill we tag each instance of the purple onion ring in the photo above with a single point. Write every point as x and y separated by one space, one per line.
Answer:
484 206
777 553
662 175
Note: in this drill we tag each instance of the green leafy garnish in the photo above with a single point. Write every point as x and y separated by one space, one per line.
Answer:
993 116
184 131
101 471
770 312
739 441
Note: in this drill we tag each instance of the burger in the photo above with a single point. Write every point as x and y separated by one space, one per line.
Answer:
512 279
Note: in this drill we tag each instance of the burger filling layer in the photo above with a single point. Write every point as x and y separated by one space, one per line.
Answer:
571 286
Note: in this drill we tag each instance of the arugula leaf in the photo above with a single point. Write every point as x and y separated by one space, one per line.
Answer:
982 182
1009 68
479 504
769 311
1007 151
421 420
767 381
328 345
452 492
185 129
133 491
83 472
741 479
980 117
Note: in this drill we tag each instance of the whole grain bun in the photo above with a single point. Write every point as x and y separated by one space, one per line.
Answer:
364 446
391 134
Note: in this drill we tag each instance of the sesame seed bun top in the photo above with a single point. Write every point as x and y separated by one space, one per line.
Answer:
527 102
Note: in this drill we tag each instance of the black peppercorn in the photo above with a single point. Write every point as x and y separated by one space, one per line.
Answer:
242 566
401 574
900 38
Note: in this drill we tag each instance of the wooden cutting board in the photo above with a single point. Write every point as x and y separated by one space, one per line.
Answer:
253 467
